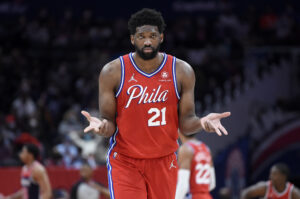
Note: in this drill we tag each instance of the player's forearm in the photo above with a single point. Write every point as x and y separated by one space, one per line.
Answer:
104 191
190 125
46 195
245 195
17 195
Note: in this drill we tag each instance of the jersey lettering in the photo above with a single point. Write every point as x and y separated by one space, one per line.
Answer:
138 91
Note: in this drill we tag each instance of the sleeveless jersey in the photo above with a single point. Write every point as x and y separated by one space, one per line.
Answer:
200 168
273 194
32 189
147 115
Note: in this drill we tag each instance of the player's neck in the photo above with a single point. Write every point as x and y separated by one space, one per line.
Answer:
280 188
29 163
150 65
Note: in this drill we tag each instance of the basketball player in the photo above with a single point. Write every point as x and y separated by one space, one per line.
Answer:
144 97
34 179
196 174
277 187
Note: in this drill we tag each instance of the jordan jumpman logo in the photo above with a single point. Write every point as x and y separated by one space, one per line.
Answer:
172 165
132 78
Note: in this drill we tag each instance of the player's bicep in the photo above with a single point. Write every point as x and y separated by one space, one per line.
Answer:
108 80
186 77
42 179
257 190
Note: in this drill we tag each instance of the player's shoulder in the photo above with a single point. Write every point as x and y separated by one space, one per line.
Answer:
184 71
38 168
183 66
295 192
112 67
186 150
111 74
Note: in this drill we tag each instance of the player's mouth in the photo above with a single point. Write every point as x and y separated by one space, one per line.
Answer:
148 50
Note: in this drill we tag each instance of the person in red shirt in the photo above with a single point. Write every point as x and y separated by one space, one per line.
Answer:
277 187
34 178
144 98
196 175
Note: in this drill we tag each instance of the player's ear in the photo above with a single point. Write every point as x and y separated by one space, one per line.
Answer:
132 39
161 37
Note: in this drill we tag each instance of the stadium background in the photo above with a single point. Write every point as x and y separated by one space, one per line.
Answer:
245 55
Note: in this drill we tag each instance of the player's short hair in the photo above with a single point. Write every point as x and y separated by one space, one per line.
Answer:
33 149
283 168
146 16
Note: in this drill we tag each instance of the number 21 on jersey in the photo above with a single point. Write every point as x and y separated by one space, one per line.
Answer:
155 120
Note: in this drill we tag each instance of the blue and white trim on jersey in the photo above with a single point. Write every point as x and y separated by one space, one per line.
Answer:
148 74
122 76
174 77
112 143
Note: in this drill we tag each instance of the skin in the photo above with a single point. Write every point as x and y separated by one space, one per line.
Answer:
39 175
279 181
86 173
110 78
257 190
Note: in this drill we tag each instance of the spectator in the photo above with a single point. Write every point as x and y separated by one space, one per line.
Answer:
89 144
68 151
87 185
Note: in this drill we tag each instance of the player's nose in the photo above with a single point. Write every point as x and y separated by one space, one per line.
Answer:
147 42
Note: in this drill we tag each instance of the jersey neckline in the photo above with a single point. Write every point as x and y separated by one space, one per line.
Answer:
287 186
148 74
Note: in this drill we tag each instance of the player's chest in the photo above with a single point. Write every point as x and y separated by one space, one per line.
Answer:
147 91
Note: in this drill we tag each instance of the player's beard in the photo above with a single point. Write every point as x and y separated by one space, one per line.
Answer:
147 56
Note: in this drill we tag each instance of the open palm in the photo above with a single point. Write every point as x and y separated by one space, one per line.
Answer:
94 123
212 123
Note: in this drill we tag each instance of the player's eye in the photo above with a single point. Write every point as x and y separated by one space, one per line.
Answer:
140 37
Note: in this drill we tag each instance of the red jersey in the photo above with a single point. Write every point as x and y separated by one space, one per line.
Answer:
200 169
147 115
273 194
31 188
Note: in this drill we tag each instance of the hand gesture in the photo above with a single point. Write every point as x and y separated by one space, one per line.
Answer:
212 123
96 125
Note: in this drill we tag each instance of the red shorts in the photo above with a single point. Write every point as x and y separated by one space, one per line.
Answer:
142 178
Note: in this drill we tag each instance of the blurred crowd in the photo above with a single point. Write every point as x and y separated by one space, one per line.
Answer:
49 69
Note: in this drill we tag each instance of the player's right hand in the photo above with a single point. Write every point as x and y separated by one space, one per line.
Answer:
96 125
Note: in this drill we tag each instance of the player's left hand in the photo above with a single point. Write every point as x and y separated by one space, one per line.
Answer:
212 123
